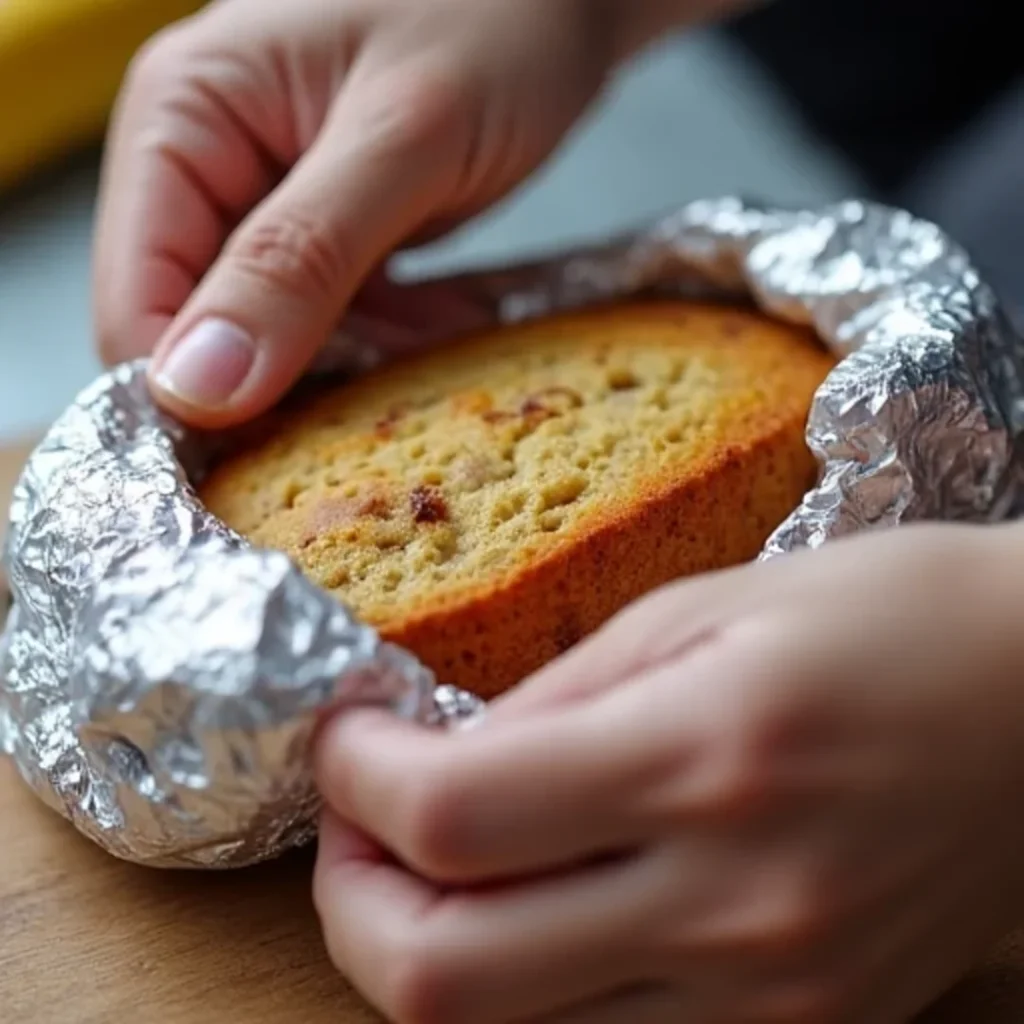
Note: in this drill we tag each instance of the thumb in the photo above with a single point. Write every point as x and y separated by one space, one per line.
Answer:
283 281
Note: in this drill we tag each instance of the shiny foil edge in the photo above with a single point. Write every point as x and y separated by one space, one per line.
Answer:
161 679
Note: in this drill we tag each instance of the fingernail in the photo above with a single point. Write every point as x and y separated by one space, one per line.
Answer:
209 364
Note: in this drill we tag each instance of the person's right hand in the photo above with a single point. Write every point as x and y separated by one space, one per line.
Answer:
269 155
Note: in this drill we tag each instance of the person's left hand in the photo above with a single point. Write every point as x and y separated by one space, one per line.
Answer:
793 792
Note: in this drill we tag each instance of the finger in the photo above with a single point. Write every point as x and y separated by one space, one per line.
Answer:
536 792
479 957
183 165
496 801
272 298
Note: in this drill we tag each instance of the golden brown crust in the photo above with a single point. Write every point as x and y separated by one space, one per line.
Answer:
489 504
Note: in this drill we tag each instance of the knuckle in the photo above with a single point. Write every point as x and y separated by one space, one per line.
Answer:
751 749
754 924
295 255
160 58
413 977
419 987
324 900
741 788
329 903
431 824
797 918
733 780
416 110
771 923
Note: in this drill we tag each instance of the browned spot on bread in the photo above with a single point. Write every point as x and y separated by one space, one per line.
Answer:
338 510
568 633
428 505
622 378
498 416
474 403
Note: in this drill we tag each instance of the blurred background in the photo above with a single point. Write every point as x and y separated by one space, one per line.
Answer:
764 108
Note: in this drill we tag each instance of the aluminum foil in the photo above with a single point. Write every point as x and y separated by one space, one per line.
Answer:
160 679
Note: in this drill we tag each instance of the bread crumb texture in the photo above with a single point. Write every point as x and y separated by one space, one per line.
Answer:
490 503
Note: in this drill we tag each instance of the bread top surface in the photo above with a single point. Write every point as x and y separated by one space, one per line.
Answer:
432 481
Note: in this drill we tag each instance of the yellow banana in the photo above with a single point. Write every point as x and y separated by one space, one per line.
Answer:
61 63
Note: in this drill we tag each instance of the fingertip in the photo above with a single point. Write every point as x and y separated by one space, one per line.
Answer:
342 852
196 416
217 373
341 726
198 374
346 740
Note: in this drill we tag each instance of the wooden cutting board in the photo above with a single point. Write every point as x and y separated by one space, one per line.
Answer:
86 939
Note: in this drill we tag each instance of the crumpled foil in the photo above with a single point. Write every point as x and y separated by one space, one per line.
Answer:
160 679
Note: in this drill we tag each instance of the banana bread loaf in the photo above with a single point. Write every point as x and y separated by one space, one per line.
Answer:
489 503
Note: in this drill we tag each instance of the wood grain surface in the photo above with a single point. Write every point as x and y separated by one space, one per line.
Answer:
86 939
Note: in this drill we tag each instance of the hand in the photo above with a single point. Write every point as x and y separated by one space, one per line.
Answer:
313 137
793 792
